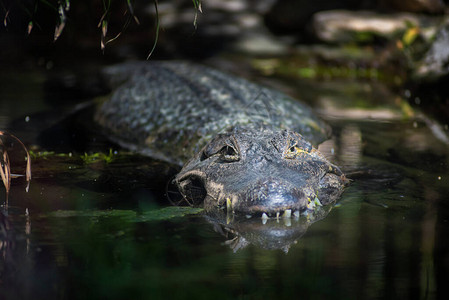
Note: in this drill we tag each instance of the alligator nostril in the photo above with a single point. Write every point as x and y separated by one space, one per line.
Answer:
193 190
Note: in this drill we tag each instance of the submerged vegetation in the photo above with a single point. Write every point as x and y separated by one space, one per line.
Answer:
159 214
87 158
5 163
98 156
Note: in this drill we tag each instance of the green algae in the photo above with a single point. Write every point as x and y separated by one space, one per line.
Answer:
86 158
161 214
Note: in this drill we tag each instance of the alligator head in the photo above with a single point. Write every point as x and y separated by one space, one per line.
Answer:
260 171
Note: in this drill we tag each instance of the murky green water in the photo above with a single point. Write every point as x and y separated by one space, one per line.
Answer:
101 230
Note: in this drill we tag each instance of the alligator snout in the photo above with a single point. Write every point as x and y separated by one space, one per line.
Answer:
260 172
269 196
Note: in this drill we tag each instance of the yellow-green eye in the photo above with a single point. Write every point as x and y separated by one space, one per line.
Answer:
293 152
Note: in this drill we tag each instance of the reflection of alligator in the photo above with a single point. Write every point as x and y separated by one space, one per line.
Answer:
250 157
270 234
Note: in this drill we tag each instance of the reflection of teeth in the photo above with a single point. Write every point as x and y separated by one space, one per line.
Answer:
264 218
286 216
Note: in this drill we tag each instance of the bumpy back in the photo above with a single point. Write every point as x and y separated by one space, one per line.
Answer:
169 110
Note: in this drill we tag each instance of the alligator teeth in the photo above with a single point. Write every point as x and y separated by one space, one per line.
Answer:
287 214
277 215
311 205
248 216
296 214
228 204
287 222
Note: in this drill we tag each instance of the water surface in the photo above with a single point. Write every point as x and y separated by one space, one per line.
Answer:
98 230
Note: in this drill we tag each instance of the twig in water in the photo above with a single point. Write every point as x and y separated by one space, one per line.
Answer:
5 165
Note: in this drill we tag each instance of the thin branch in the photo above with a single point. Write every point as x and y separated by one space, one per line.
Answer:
157 30
5 165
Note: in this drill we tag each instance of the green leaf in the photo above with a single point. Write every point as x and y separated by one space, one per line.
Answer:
410 36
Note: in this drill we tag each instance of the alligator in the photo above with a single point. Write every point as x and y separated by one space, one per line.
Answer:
244 148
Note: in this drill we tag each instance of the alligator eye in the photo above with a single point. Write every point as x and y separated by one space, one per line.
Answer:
228 154
204 156
223 147
293 151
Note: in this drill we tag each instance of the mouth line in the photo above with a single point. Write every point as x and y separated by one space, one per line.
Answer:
194 191
287 217
265 213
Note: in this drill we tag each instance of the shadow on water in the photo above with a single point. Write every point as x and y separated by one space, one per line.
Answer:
98 225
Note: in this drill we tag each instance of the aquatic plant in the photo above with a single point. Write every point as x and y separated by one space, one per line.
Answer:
98 156
5 165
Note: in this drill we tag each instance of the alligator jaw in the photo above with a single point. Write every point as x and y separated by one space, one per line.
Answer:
287 217
229 206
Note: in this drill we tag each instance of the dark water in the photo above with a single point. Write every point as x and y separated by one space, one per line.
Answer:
99 230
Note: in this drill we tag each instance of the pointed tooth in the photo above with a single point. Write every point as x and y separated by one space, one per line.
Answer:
287 222
248 216
296 213
277 215
287 214
311 205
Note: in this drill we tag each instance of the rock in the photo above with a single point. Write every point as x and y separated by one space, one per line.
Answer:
235 25
340 26
435 63
426 6
291 17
